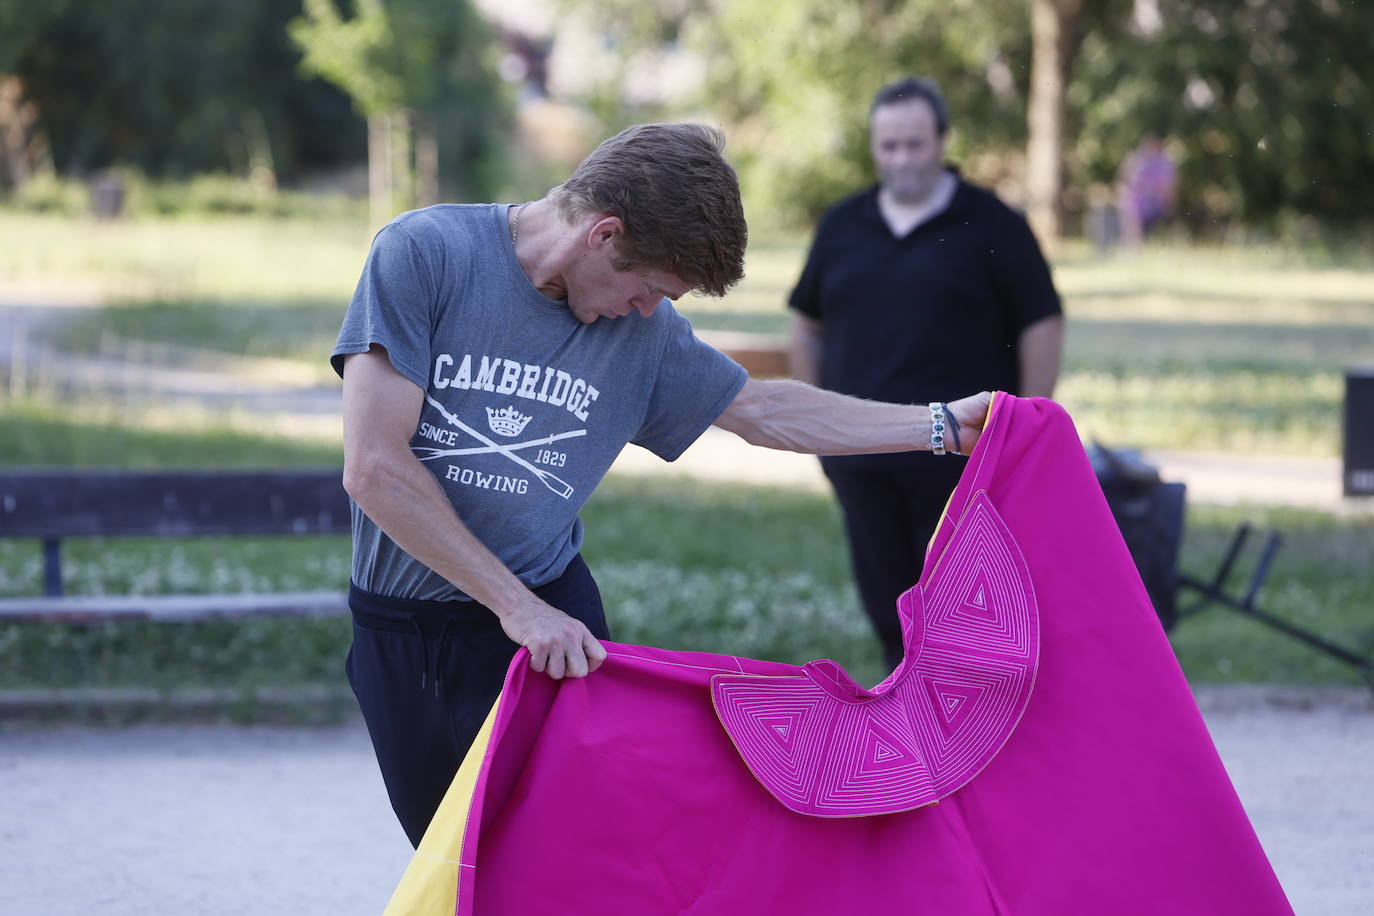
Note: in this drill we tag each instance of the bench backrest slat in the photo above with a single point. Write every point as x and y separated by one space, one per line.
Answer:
81 503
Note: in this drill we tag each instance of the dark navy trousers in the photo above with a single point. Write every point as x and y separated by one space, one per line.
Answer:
426 674
889 517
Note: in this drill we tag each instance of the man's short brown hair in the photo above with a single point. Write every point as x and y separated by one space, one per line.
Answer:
677 196
914 89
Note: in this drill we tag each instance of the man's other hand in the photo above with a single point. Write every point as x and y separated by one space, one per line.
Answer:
560 646
972 415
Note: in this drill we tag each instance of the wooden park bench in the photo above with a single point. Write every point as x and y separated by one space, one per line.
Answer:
763 355
53 506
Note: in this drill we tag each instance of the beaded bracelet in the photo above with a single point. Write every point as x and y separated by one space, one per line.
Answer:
940 417
937 428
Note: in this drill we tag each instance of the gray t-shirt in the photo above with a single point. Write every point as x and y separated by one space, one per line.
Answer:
525 407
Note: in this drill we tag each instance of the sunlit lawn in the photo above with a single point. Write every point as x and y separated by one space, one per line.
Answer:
1207 348
1239 350
45 431
253 260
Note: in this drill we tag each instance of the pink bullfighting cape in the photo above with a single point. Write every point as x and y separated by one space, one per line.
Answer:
1037 753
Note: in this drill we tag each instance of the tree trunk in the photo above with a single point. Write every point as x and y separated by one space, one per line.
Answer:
1054 42
426 160
262 170
402 166
380 190
23 148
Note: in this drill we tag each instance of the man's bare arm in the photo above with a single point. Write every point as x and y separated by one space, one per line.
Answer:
796 417
1041 346
804 352
380 410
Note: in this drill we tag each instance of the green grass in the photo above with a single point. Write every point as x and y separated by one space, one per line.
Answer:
301 330
1234 349
217 260
1211 349
1322 580
1231 349
247 654
745 570
45 431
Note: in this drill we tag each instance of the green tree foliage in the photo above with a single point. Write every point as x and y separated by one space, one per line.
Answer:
20 25
797 78
179 87
1269 104
174 87
794 80
417 56
354 54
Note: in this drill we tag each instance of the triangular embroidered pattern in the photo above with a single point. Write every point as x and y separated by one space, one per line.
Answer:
824 745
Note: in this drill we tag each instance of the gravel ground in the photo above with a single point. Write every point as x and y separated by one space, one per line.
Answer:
220 820
211 820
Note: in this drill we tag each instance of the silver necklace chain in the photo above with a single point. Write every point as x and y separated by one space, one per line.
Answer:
515 224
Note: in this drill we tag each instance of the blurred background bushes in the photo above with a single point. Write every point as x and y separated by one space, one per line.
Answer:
1266 106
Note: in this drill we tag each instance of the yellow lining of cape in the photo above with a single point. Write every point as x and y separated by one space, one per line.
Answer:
429 886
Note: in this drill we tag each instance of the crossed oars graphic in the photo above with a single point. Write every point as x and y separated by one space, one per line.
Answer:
552 481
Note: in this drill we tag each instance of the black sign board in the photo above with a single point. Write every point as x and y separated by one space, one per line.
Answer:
1358 472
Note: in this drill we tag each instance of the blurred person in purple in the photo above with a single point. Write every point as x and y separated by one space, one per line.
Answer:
1147 181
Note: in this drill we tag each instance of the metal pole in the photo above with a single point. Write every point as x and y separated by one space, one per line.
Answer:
52 567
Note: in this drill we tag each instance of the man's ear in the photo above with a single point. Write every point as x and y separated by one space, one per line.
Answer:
604 231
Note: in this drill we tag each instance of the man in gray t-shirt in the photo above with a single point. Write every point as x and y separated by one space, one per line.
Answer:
495 360
525 406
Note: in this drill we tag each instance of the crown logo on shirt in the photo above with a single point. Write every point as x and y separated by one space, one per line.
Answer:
507 421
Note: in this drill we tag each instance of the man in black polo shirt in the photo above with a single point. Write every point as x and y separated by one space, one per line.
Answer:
917 290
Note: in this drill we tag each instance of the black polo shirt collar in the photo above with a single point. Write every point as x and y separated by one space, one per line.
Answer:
958 203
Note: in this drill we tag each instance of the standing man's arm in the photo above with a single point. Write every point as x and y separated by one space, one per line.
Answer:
381 408
804 353
1022 277
1040 347
796 417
